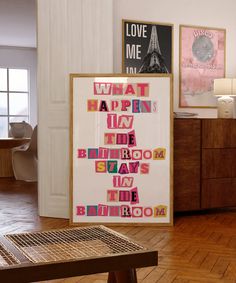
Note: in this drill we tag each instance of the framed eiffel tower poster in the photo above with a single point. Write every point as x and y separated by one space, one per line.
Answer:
147 47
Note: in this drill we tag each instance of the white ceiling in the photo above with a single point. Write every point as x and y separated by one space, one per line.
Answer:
18 23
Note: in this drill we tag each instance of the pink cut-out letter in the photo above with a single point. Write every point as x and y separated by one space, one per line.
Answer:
133 167
137 211
124 196
114 211
130 89
80 210
148 211
103 153
131 139
92 105
112 121
102 88
109 138
102 210
123 169
117 89
112 195
134 196
81 153
116 181
144 168
143 89
125 121
125 104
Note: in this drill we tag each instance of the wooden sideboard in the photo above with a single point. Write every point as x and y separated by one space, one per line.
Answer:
204 163
5 154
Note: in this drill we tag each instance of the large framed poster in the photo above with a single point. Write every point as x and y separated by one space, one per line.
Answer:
121 149
146 47
202 59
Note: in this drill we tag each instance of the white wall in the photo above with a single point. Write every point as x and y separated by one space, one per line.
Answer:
19 57
210 13
18 23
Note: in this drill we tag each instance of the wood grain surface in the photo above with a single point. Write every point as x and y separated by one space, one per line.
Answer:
201 247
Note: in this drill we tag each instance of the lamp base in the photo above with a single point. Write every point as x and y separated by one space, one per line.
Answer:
225 106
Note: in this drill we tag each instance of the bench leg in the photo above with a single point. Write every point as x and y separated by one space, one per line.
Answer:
123 276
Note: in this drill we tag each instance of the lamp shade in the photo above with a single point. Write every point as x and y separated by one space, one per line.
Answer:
223 87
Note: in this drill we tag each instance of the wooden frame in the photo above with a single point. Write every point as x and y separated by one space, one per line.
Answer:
202 59
136 36
92 204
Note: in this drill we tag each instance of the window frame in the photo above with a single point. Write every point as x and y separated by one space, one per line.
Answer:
8 92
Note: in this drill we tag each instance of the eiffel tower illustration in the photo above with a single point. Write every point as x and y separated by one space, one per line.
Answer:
153 62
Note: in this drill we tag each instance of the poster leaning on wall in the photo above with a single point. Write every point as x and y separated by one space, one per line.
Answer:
202 59
146 47
121 149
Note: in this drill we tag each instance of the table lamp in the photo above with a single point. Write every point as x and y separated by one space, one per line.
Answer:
224 89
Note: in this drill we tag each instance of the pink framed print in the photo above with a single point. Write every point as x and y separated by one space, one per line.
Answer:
202 59
121 149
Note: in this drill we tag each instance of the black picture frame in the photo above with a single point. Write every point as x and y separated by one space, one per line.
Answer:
147 47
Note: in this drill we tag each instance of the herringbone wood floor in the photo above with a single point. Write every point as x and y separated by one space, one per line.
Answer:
199 248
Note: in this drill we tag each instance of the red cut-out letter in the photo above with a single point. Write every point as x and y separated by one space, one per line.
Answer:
144 168
116 181
121 138
130 89
102 210
125 121
115 153
80 210
117 89
103 153
125 104
123 169
143 89
115 105
102 88
148 211
114 211
133 167
124 196
92 105
134 196
81 153
112 195
137 211
112 121
131 139
109 138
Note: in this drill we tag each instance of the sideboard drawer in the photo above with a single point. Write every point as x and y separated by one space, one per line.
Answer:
218 193
218 163
218 133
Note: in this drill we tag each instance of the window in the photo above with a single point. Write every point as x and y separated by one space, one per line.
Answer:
14 98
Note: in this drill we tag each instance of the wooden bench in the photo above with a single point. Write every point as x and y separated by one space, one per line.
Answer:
54 254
